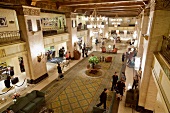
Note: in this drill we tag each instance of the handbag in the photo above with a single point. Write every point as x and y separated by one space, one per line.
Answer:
15 80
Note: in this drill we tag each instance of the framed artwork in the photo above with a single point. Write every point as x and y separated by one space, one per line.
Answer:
29 23
3 22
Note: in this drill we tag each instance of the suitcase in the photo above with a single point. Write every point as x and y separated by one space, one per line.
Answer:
15 80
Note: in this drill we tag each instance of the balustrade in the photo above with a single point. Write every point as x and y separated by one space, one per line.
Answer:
9 36
165 52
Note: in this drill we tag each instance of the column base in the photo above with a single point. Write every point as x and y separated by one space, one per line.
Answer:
143 110
31 81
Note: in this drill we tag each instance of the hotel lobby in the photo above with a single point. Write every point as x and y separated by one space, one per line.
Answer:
37 35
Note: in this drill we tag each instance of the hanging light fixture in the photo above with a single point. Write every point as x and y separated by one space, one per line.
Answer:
95 21
116 21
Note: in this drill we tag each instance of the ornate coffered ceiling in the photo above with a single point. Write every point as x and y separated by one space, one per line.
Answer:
108 8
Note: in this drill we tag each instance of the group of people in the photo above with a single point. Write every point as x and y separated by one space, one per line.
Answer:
118 86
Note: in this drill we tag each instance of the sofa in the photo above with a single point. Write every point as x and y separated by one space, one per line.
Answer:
31 103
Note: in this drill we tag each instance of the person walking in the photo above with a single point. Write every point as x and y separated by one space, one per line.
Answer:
60 75
114 81
103 98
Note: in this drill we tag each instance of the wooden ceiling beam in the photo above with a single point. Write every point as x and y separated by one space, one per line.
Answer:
129 4
92 2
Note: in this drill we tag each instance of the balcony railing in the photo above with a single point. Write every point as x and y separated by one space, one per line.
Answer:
165 52
165 49
50 32
9 36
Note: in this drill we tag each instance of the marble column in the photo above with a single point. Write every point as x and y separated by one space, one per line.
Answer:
144 26
72 29
158 26
31 32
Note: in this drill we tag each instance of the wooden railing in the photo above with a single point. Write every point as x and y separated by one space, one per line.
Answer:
9 36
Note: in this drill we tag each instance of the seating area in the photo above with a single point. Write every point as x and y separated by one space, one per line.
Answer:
113 51
31 103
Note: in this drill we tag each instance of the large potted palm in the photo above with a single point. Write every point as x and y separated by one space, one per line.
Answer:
93 60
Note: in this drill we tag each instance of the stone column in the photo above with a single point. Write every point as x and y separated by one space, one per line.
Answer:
144 26
31 32
72 29
158 26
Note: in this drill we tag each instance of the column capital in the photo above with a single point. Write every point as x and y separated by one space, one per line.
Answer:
70 15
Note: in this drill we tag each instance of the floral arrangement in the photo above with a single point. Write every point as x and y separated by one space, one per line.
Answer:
93 60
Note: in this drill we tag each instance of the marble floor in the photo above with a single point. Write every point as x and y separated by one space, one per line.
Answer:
52 71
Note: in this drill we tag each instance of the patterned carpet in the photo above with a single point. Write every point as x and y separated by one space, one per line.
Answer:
78 93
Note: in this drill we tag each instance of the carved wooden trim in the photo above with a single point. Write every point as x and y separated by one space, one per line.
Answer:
162 5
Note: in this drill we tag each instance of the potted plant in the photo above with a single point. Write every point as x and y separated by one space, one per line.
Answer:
93 60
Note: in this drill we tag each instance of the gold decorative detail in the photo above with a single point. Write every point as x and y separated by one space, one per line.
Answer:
2 53
162 4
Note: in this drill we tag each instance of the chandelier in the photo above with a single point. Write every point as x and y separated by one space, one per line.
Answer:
95 22
116 21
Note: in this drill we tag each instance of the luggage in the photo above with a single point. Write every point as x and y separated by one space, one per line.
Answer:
15 80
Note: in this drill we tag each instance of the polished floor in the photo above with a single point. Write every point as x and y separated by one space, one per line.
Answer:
79 93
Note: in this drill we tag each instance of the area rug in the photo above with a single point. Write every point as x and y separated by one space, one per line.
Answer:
78 93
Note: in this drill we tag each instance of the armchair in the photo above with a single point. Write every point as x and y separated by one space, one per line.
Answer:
108 59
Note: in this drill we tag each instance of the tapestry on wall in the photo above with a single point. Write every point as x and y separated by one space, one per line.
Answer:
3 22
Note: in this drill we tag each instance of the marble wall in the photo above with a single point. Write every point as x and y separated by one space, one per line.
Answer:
10 15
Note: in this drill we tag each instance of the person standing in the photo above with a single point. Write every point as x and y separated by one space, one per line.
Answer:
114 81
123 76
103 98
135 82
120 88
69 55
123 57
83 51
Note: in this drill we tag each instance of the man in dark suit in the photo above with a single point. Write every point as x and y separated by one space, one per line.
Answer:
103 98
114 81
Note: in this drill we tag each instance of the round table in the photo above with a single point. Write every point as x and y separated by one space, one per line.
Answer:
95 69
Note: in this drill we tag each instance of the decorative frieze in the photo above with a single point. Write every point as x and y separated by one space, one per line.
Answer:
31 11
27 11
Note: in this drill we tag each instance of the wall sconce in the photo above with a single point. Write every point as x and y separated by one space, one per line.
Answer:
40 57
